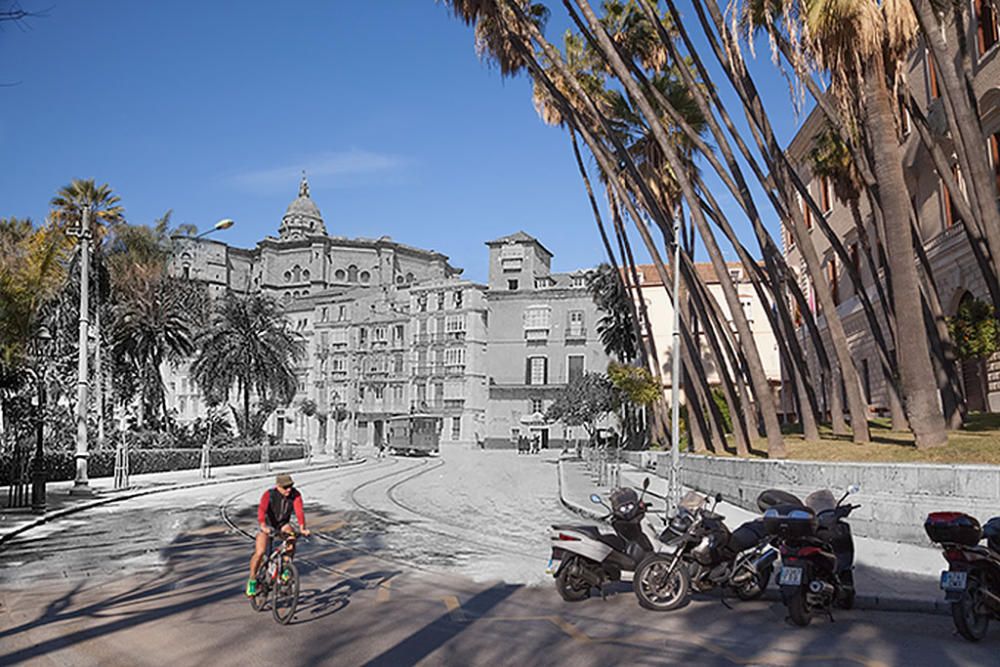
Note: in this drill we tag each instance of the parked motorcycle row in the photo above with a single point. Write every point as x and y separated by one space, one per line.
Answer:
695 551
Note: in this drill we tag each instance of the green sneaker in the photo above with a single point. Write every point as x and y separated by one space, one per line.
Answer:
251 588
285 576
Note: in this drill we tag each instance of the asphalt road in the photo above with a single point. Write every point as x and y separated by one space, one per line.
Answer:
414 561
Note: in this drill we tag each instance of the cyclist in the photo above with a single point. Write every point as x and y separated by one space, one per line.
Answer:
273 514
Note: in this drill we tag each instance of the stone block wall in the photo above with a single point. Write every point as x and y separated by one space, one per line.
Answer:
895 498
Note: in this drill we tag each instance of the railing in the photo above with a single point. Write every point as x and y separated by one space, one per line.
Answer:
604 463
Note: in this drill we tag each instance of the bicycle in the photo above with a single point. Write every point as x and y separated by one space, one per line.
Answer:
283 591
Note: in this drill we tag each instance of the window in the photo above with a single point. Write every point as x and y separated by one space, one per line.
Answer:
457 299
747 303
512 285
422 303
536 317
380 333
182 405
339 364
579 281
362 336
352 274
341 313
994 153
379 393
575 323
986 25
339 275
536 371
454 356
806 211
397 363
832 277
456 428
574 367
397 333
825 195
338 336
951 216
536 405
904 117
438 393
735 275
421 393
326 314
397 393
440 301
361 392
932 82
511 258
455 324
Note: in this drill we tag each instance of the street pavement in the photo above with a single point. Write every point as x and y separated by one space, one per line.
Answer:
396 573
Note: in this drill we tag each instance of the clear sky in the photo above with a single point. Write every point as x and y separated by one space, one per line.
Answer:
212 109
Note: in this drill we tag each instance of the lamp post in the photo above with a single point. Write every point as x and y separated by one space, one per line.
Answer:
225 223
81 485
675 372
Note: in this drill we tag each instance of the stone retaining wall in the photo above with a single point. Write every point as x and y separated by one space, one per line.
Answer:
895 498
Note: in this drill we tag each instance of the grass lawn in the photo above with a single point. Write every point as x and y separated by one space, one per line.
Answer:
978 442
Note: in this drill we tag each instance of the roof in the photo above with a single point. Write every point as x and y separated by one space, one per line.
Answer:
649 276
519 237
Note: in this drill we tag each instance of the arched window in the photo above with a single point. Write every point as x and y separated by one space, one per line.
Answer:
288 276
352 274
399 280
340 275
305 274
297 273
409 277
365 276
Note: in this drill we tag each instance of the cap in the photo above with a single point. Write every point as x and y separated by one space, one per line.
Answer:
284 480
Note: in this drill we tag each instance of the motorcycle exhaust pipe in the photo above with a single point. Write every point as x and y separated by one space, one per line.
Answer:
821 587
766 560
991 596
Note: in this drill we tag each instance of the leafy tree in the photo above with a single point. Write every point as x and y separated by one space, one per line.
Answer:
250 344
583 402
616 326
635 389
975 330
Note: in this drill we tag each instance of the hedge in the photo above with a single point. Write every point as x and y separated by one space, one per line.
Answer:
61 466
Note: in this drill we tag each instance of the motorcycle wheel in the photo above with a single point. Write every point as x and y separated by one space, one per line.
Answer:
656 587
968 621
755 587
571 587
798 608
845 600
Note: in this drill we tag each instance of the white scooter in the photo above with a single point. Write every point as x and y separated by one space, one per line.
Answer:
583 557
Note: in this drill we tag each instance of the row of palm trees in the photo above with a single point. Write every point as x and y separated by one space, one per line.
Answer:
142 319
631 85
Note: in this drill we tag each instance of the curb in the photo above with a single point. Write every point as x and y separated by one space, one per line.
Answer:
862 602
128 495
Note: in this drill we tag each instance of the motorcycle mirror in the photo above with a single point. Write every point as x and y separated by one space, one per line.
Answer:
718 498
853 488
645 484
596 499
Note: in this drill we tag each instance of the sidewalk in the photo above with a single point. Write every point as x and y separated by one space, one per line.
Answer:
910 583
59 501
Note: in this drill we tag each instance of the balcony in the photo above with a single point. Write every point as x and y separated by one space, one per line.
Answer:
577 333
454 369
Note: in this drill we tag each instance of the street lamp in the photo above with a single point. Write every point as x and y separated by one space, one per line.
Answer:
38 463
225 223
81 485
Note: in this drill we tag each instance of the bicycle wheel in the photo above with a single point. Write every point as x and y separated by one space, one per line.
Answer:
286 595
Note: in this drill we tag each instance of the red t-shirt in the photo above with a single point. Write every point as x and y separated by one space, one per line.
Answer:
279 515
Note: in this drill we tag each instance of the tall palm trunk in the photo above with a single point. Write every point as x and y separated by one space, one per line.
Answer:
762 389
913 354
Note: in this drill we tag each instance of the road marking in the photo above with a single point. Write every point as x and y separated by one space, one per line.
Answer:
454 608
384 593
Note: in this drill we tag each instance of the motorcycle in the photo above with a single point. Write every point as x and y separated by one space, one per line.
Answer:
817 554
972 581
706 555
584 557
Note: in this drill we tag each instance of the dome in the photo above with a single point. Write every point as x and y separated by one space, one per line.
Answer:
302 217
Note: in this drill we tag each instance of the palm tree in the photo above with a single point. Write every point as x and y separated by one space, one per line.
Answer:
249 344
106 214
616 326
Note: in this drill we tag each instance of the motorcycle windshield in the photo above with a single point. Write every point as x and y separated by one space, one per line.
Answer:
692 501
821 501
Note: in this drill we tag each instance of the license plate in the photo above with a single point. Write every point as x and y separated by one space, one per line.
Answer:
954 581
790 576
553 566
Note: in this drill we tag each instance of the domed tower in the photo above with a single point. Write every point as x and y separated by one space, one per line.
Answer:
302 218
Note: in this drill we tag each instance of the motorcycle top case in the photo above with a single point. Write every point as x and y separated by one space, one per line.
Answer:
991 530
790 521
953 528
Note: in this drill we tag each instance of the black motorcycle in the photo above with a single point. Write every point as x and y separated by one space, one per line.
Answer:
706 556
972 581
817 554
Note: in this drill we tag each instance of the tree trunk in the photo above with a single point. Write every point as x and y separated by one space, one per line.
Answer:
98 372
913 354
837 423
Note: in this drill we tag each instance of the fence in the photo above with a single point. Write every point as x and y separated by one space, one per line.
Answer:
604 465
61 466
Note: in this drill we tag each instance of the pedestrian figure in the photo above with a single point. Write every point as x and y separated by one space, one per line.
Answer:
536 443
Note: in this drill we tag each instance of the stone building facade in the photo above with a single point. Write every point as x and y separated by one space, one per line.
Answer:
391 329
542 333
943 235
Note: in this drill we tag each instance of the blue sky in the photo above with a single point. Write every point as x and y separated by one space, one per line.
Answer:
212 109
